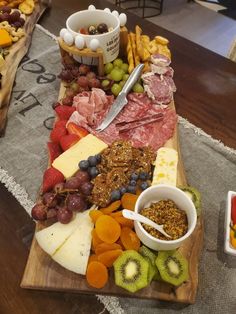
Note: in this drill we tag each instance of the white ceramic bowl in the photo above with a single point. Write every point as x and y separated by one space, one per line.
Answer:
160 192
109 42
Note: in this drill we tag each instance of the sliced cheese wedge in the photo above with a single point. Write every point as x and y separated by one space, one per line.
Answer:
74 253
67 162
165 171
51 238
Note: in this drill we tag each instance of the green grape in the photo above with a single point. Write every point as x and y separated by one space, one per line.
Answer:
138 88
116 75
125 67
122 83
116 88
105 83
118 62
125 77
109 76
108 68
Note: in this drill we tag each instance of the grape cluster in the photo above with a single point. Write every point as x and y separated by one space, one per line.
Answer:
12 17
116 77
90 165
140 180
65 199
79 78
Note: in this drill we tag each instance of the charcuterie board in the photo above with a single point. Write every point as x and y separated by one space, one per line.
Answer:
16 53
43 273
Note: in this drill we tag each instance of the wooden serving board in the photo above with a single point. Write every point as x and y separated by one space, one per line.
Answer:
16 53
43 273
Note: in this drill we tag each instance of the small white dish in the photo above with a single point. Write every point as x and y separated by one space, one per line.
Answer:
228 248
154 194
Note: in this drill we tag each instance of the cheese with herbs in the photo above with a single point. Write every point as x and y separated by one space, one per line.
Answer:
74 253
165 171
68 161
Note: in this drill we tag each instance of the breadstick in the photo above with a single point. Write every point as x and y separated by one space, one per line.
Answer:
130 57
134 49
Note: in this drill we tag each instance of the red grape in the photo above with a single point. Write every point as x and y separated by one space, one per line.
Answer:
91 75
5 9
94 83
82 176
86 188
83 81
59 187
84 69
76 202
66 75
49 199
72 183
75 71
39 212
68 100
64 215
51 213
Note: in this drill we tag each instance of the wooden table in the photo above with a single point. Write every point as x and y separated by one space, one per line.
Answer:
206 96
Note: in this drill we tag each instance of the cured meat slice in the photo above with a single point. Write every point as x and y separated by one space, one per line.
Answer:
159 89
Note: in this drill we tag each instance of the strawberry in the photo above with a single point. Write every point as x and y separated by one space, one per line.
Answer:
57 133
64 112
73 128
69 140
233 210
51 177
54 150
60 123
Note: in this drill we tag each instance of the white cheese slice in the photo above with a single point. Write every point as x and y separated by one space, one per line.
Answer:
74 253
51 238
67 162
165 171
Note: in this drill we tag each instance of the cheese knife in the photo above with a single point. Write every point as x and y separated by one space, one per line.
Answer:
121 99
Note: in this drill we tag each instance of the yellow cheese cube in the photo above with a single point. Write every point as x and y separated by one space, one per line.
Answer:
67 162
165 171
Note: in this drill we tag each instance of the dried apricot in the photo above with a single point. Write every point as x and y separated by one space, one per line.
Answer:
97 274
95 239
128 201
117 214
103 247
109 257
129 239
94 214
124 222
107 229
111 208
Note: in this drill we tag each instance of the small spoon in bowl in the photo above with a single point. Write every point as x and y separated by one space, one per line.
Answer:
129 214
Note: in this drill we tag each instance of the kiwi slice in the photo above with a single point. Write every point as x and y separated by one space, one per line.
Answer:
173 267
131 271
194 195
150 256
